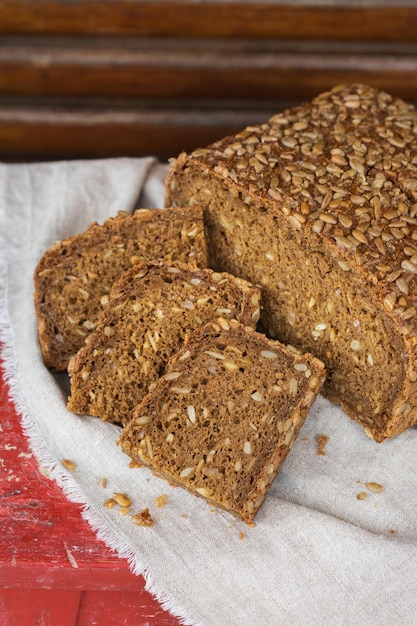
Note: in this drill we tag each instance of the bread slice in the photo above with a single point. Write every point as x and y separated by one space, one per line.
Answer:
74 277
152 310
223 418
319 207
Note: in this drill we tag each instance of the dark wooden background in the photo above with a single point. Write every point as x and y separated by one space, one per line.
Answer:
98 78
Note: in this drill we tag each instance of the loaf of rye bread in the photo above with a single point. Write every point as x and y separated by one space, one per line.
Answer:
223 418
152 309
319 207
74 277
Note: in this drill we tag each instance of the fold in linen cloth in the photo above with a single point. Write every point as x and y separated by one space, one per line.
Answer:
317 555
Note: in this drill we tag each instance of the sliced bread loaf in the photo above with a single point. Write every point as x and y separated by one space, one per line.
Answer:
223 418
74 277
319 207
152 310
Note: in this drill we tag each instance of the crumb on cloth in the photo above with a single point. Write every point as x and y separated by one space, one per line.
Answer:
143 518
321 444
161 500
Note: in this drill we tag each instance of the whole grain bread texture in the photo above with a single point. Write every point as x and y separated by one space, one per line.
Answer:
222 419
152 309
74 277
319 207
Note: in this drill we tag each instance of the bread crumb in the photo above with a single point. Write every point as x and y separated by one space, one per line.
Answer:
103 482
362 495
110 503
161 500
392 531
124 510
143 518
242 535
321 444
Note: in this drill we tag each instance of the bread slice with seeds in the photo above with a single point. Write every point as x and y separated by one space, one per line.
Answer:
319 207
74 277
152 310
223 418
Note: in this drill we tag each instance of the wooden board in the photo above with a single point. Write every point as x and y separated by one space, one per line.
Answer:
210 18
83 78
53 569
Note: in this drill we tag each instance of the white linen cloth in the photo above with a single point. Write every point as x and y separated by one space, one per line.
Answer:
317 554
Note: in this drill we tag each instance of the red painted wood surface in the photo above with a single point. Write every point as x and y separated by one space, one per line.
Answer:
53 569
